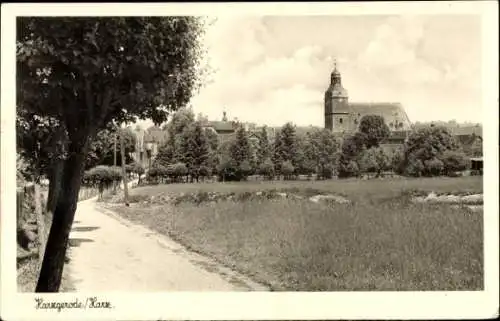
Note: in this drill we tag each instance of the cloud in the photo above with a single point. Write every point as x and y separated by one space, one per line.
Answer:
275 69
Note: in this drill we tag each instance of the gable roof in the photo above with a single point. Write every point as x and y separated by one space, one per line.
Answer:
466 130
388 110
221 125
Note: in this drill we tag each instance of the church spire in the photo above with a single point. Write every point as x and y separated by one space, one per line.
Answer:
335 77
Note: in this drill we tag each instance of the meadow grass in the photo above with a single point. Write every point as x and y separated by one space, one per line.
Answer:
348 187
381 241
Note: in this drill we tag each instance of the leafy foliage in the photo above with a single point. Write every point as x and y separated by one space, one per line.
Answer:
375 130
322 151
374 160
40 143
287 169
87 73
264 147
101 151
454 161
424 146
285 146
266 169
195 150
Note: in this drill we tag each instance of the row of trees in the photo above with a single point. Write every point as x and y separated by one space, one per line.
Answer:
79 76
194 151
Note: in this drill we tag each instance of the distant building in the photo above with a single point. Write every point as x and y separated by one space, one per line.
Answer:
226 129
344 117
147 143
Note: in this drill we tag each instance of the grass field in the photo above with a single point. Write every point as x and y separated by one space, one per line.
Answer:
380 241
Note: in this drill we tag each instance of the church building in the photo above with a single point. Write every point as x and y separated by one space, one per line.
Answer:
343 117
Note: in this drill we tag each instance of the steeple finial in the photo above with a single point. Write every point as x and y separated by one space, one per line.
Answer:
334 63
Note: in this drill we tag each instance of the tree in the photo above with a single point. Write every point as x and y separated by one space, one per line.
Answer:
353 147
90 72
172 150
285 146
375 130
426 144
41 144
213 143
195 150
240 147
101 150
323 151
264 147
374 160
165 155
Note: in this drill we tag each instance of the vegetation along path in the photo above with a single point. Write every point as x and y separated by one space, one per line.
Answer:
108 253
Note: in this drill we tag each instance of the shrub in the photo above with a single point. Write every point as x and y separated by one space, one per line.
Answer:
434 167
287 169
326 172
227 171
454 161
266 169
397 161
156 173
245 169
415 167
204 171
102 177
348 169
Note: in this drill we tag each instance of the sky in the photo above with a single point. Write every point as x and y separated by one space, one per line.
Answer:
274 69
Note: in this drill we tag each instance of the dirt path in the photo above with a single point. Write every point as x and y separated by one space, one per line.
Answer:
108 253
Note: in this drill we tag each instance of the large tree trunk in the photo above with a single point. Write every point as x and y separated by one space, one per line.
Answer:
64 213
55 176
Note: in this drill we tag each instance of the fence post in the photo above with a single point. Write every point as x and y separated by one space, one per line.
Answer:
40 221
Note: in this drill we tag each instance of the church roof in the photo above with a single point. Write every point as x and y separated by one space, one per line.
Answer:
388 110
376 108
221 125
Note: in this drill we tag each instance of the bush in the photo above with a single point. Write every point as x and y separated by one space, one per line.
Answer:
397 161
415 167
454 161
266 169
287 169
157 172
326 172
204 171
433 167
102 177
348 169
228 171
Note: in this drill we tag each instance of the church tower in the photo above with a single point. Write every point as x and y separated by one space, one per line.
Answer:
337 113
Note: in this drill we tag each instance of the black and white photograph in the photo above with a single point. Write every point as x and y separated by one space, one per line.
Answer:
174 162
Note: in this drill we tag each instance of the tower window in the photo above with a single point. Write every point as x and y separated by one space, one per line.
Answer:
340 120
